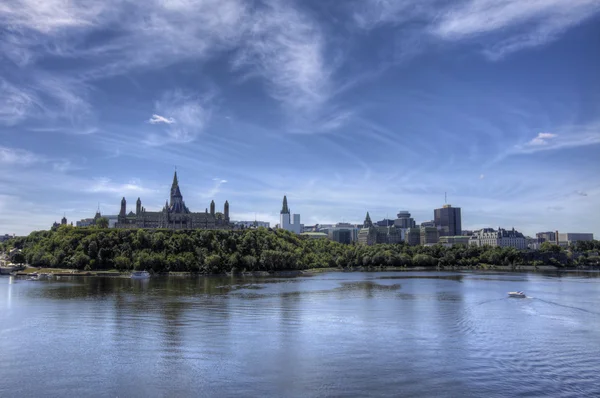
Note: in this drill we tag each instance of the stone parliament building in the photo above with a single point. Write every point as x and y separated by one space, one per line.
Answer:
174 215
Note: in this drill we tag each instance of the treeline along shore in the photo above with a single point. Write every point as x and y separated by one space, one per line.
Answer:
215 252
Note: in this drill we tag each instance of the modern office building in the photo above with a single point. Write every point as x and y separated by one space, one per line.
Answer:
546 237
567 239
498 238
428 224
448 218
412 236
404 220
429 235
286 222
341 236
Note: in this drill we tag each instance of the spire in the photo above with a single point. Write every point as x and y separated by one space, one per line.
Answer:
175 180
285 209
368 223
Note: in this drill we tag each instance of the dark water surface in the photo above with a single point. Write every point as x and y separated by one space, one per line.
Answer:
335 334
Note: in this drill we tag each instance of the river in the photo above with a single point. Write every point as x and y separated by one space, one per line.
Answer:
419 334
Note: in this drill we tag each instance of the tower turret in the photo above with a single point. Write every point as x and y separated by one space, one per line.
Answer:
226 211
212 207
123 212
138 207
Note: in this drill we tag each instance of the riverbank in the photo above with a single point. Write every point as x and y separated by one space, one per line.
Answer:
309 272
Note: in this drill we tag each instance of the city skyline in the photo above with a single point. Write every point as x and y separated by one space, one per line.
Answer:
345 108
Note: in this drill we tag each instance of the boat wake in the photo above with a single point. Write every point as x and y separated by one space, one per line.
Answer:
568 306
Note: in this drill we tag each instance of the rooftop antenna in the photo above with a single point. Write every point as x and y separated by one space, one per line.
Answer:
445 198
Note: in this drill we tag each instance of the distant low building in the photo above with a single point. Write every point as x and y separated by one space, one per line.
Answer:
449 241
498 238
315 235
566 239
546 237
384 223
252 224
89 222
370 234
4 238
428 224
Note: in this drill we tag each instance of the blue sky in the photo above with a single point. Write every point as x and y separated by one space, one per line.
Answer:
345 106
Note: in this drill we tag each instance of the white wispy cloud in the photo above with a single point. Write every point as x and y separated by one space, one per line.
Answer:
106 185
287 49
570 137
187 116
156 119
17 156
541 139
505 25
215 189
15 103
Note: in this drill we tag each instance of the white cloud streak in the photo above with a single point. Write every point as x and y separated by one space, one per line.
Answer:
15 156
156 119
187 116
507 25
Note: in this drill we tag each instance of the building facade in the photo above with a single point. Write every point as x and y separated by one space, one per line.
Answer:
287 222
450 241
370 234
412 236
567 239
174 215
448 218
429 235
546 237
498 238
404 220
341 235
252 224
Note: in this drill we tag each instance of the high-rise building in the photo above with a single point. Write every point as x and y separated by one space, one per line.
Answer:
285 220
404 220
448 220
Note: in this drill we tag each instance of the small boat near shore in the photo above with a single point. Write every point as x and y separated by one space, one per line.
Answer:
140 275
518 294
40 277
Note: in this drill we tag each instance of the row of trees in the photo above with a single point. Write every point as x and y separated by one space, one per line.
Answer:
208 251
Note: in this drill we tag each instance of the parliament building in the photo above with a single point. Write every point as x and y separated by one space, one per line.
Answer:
174 215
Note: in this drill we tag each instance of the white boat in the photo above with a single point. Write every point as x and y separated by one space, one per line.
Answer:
140 275
518 294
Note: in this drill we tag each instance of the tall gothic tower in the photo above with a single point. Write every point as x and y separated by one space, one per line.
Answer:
284 215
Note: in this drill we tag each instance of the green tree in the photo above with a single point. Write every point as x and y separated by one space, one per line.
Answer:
102 223
18 258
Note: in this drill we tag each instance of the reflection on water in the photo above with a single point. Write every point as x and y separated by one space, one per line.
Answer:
336 334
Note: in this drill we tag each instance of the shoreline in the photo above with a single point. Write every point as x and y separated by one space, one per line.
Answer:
311 271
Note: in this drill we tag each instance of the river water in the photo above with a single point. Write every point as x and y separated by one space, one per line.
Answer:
334 334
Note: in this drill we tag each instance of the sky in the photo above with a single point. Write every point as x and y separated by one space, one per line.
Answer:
344 106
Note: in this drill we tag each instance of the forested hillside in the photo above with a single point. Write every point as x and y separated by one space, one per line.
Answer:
255 250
